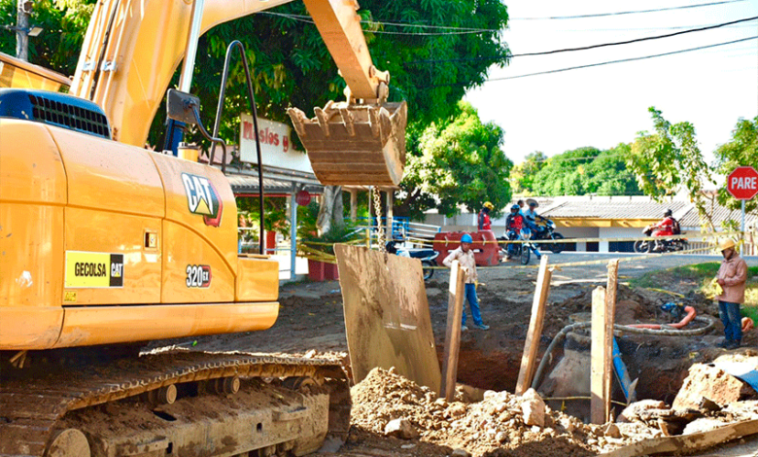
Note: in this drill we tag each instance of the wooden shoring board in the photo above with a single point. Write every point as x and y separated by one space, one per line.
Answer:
387 318
536 322
600 354
453 331
610 317
687 443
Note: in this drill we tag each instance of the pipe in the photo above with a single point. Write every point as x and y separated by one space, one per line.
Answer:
691 313
619 330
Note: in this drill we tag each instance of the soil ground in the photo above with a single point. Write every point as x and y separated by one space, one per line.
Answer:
311 319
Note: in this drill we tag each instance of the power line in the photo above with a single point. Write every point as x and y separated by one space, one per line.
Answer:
606 63
620 13
471 30
594 46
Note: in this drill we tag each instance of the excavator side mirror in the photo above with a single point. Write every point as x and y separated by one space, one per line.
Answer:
182 106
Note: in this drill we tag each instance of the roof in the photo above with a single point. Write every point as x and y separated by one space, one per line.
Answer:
245 181
636 207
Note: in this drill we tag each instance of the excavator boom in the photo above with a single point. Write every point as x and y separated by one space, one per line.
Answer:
132 50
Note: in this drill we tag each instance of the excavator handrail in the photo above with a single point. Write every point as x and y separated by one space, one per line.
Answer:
220 109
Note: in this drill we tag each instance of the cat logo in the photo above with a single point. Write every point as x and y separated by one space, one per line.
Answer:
202 198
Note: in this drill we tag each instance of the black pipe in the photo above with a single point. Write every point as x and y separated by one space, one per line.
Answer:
220 108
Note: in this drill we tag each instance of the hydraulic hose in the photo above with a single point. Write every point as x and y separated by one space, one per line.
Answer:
619 330
691 313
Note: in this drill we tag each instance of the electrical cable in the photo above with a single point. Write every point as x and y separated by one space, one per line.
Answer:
631 59
619 13
594 46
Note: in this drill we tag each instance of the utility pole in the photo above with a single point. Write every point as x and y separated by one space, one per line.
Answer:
22 29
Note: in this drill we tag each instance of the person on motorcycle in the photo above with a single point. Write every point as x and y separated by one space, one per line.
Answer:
520 204
513 225
484 217
664 228
465 256
530 217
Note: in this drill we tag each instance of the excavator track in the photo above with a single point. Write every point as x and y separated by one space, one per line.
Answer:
34 407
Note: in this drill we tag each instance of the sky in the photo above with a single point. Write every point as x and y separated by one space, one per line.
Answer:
607 105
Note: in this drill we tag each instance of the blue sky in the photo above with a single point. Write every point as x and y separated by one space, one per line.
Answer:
606 105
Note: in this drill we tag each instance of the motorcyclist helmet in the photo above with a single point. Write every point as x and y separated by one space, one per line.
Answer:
668 213
533 204
466 238
489 205
515 208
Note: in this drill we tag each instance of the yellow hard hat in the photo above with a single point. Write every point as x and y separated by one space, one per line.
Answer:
489 205
726 244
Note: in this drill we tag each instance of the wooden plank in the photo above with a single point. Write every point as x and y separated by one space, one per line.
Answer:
601 356
610 318
687 443
533 336
453 332
387 319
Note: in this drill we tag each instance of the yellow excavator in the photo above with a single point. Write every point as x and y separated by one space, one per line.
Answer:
105 245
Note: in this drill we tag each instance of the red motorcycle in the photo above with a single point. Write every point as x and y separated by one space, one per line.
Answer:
663 245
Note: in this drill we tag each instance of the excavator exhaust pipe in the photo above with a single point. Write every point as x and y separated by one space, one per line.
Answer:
355 144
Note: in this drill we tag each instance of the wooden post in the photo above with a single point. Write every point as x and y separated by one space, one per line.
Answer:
389 212
601 354
610 319
453 332
532 343
353 204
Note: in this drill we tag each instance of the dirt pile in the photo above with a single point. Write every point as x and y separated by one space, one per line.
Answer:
495 426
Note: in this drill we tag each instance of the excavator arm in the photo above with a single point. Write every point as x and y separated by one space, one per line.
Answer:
132 49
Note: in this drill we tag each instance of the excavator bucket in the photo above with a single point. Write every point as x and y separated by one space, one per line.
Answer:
352 144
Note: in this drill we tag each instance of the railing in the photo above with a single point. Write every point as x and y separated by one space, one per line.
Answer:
402 227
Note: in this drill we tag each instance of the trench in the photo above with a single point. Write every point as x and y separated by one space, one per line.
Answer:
491 360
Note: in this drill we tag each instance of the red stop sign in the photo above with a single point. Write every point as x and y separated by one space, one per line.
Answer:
303 198
742 183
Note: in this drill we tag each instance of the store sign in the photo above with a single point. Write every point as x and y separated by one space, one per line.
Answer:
276 145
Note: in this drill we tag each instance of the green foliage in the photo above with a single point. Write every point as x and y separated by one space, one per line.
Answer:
307 230
582 171
459 161
64 23
523 174
668 159
275 210
741 151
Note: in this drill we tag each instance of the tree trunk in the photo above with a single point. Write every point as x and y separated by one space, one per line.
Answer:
22 33
330 213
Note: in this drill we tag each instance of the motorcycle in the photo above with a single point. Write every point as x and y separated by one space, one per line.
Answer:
521 251
547 232
644 246
427 256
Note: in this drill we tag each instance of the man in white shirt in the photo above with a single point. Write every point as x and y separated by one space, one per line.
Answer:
465 257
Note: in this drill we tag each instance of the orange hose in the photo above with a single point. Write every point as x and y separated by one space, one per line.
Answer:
691 313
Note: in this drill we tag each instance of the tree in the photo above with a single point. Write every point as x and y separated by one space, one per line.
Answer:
668 159
459 161
607 174
741 151
64 23
561 174
523 174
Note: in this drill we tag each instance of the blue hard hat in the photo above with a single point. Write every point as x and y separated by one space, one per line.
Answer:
466 238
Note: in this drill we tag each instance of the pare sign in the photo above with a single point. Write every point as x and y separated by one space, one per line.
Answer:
742 183
276 145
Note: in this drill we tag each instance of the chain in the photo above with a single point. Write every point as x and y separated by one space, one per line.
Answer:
380 226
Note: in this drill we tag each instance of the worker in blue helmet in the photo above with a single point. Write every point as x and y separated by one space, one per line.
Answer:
465 257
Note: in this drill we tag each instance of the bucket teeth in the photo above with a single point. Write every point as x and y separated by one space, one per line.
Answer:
355 144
